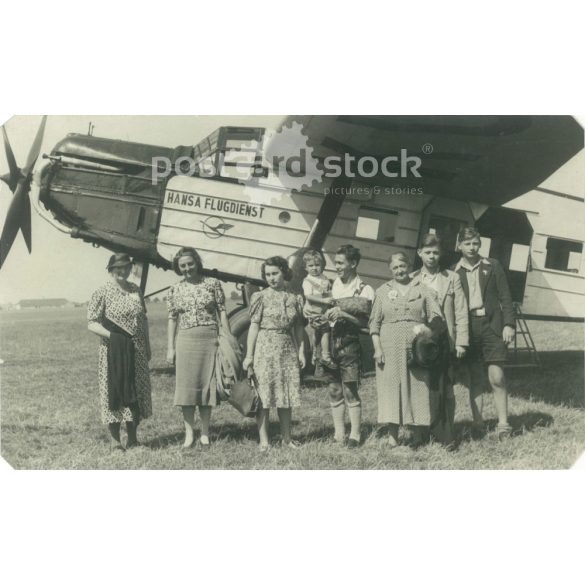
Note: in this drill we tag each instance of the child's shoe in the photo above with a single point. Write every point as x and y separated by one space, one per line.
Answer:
504 432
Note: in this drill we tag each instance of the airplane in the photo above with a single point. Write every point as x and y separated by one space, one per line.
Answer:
227 197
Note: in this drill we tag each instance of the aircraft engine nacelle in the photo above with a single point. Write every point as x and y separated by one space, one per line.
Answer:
104 191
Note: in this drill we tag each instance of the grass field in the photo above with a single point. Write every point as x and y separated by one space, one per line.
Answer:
50 417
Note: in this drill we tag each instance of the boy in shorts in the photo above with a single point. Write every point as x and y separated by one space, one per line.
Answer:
491 327
317 293
344 382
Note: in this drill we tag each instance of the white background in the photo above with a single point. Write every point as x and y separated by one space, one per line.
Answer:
293 527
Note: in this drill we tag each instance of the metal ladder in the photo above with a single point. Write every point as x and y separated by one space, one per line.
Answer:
524 355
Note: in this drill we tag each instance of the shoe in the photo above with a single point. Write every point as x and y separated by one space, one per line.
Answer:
204 446
185 446
353 444
392 442
116 446
328 364
133 445
451 447
264 448
291 444
478 430
504 432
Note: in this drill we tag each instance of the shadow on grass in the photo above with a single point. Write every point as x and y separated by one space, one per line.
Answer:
559 381
165 441
520 424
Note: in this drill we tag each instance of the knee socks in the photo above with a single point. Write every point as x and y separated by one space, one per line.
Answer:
355 418
338 413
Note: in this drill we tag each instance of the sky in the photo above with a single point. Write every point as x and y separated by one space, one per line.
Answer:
60 266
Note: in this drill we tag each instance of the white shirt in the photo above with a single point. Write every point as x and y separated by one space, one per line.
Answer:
342 290
429 279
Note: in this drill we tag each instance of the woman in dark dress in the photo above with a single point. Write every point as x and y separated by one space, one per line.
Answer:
117 314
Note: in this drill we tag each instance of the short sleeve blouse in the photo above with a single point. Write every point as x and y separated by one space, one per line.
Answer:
276 310
195 304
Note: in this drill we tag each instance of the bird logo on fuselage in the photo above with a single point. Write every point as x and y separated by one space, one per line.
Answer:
215 226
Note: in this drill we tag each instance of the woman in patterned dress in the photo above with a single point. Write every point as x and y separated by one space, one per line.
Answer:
117 308
401 309
195 304
276 348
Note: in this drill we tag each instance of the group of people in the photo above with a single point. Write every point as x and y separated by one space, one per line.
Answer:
462 318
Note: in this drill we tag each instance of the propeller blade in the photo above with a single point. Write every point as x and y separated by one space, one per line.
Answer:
25 223
12 178
35 149
17 216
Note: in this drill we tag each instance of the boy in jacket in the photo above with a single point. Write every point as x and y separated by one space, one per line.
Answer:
491 327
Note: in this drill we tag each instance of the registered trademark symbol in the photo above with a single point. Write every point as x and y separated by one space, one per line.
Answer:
427 148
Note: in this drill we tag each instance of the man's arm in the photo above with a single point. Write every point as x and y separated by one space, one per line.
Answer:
504 295
461 313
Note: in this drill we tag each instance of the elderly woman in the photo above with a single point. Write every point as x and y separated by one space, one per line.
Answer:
401 309
276 348
117 314
196 307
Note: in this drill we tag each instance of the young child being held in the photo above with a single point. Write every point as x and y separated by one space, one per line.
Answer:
317 292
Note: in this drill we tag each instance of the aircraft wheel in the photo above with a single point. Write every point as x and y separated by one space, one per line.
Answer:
239 325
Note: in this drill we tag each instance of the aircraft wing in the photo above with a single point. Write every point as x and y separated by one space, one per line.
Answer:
486 159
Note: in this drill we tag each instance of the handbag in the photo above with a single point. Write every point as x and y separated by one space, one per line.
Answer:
243 396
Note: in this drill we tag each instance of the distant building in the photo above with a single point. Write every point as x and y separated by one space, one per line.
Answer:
43 304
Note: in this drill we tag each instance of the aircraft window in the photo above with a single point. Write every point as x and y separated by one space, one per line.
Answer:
376 224
563 255
367 228
519 257
140 223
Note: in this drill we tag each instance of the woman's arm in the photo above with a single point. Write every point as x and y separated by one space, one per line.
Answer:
147 339
378 351
299 335
171 335
98 329
376 318
251 345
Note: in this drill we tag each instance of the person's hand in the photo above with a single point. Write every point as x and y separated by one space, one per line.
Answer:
508 334
330 302
379 358
302 359
459 351
420 328
247 363
333 314
170 357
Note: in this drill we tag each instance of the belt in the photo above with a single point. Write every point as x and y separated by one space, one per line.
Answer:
478 312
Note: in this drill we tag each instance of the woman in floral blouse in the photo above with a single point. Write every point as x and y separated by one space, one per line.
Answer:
276 348
195 304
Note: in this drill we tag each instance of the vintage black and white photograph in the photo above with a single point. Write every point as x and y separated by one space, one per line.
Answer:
292 292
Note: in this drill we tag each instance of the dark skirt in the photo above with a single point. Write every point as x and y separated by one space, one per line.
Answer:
195 367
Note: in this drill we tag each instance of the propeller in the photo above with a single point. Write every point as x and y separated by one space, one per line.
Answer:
19 181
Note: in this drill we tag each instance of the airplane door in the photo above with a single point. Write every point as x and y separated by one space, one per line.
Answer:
506 235
446 228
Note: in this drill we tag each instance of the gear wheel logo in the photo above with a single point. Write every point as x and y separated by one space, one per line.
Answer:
291 166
